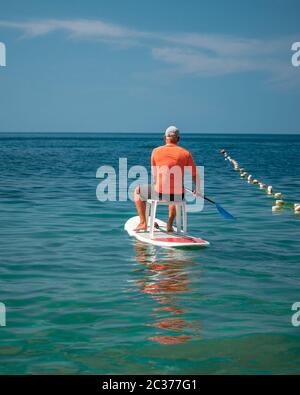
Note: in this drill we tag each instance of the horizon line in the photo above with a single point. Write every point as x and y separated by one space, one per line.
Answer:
148 133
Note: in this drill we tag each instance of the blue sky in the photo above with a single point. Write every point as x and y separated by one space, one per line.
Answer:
115 65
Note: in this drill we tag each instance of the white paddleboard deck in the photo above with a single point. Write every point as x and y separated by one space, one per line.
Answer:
161 237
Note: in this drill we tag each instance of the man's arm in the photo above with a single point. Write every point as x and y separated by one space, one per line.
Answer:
153 167
195 175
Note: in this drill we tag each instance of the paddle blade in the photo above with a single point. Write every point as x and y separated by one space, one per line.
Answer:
223 212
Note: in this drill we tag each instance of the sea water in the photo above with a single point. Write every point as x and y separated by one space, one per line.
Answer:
81 296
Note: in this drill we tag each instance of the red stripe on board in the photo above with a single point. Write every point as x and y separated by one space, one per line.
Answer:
180 240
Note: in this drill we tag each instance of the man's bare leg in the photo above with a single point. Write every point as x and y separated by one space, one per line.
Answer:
172 215
141 209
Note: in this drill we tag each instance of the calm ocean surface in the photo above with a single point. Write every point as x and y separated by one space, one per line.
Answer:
83 297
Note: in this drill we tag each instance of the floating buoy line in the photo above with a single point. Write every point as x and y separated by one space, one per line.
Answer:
279 202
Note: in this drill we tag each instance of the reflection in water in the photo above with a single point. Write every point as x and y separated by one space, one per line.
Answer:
164 279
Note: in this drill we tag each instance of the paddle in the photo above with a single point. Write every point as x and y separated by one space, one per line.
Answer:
221 210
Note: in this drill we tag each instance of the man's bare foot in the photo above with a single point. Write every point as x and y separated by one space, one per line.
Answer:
141 228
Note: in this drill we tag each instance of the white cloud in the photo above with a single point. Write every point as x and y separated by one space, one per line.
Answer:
77 27
198 62
202 54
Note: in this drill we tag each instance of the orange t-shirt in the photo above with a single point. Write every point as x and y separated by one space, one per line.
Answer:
168 163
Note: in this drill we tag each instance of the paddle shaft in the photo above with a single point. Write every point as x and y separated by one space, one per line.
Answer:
204 197
221 210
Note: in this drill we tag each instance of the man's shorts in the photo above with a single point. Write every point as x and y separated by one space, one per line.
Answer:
149 192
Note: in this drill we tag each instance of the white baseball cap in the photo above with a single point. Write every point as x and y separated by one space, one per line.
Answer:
172 131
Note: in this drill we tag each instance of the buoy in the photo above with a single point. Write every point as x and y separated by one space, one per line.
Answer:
276 208
279 202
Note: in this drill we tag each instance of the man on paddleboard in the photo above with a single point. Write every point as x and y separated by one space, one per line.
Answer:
168 163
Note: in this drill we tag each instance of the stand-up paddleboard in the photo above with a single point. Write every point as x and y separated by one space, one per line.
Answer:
162 238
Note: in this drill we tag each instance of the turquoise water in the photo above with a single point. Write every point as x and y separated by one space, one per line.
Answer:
82 297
